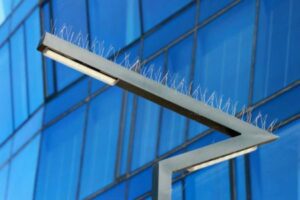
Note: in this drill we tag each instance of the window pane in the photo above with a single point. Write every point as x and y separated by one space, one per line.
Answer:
172 30
209 183
66 100
223 60
278 46
22 172
101 141
5 6
34 62
60 156
146 125
145 133
177 191
31 127
140 184
6 121
3 181
275 168
156 11
118 32
116 193
210 7
173 125
73 14
19 81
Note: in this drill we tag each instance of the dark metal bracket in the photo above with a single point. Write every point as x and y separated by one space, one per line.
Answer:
245 137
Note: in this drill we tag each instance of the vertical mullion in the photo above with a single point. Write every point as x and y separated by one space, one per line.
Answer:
250 97
26 68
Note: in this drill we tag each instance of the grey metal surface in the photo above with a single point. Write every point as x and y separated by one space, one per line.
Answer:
244 135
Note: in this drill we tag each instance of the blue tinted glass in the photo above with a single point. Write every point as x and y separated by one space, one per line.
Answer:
49 70
66 100
5 152
145 134
173 125
5 6
60 156
22 11
170 31
19 81
275 168
127 130
155 11
240 178
224 53
118 32
177 191
140 184
287 105
101 139
278 46
6 121
22 172
34 62
3 181
211 138
30 128
146 126
116 193
73 14
210 7
209 183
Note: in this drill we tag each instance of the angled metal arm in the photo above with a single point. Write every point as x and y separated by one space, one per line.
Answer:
245 136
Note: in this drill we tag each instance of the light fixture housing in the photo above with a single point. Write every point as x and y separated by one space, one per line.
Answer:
244 136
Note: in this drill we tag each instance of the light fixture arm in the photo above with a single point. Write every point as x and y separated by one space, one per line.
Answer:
245 137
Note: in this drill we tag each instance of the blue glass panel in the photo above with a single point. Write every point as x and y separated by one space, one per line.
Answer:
209 183
118 32
195 128
140 184
21 12
146 126
116 193
49 70
6 121
240 178
34 62
173 125
101 141
22 172
127 130
19 81
275 167
177 191
277 58
3 181
210 7
73 14
224 53
211 138
30 128
170 31
5 6
286 104
66 100
15 3
155 11
60 156
5 152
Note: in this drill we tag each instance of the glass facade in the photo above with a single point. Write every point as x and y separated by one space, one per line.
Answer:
64 135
